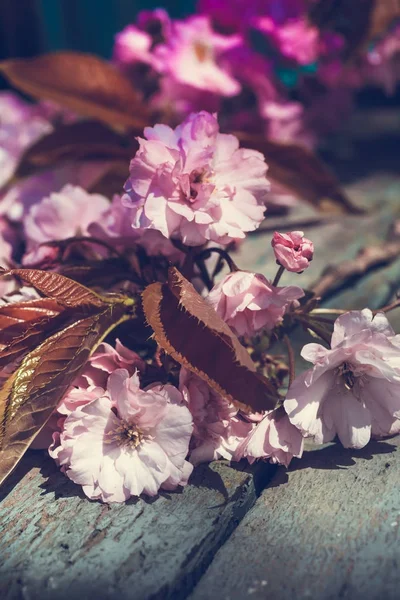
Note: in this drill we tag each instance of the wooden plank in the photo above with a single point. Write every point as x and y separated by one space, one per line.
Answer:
55 544
335 238
328 528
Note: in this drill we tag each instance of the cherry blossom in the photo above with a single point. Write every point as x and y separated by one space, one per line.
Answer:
353 390
61 215
195 184
218 427
192 55
21 125
126 442
274 438
248 302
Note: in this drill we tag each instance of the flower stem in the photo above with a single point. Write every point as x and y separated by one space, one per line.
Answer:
278 275
204 273
223 254
388 307
290 351
328 311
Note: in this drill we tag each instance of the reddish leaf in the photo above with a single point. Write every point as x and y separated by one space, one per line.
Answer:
188 329
67 292
113 177
21 312
31 394
87 139
27 324
81 82
302 172
24 324
384 14
18 340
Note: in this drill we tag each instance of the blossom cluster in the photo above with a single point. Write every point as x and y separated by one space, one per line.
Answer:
132 422
264 66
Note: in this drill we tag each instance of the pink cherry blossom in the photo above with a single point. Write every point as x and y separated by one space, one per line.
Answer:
274 438
353 390
285 122
231 15
292 250
181 100
104 361
16 201
61 215
77 397
195 184
8 242
21 125
133 45
218 428
234 15
127 442
248 302
115 225
296 39
382 61
91 384
194 54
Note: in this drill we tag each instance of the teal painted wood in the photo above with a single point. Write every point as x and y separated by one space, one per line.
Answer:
56 545
336 239
328 528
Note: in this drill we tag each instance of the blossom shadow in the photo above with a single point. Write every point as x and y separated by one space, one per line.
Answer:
29 461
334 456
204 476
55 482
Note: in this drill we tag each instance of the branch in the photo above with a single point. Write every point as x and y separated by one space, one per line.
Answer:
290 351
367 259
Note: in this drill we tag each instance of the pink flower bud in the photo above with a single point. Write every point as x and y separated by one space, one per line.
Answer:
292 250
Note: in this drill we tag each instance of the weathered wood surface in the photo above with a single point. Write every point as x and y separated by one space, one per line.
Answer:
328 528
55 544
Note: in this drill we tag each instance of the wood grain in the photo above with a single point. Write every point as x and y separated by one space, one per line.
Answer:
327 529
55 544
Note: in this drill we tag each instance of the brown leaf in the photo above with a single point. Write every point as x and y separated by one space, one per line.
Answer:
88 140
189 329
30 395
113 178
67 292
82 83
303 173
25 324
384 14
15 314
20 339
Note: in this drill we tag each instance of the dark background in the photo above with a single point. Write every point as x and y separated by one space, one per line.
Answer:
29 27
